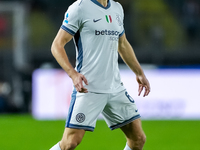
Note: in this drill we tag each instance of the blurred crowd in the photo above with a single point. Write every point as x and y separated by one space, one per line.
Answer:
162 32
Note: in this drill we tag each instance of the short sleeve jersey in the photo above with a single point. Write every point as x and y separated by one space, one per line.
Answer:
96 30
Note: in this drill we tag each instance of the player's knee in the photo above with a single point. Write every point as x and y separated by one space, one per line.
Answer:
143 139
139 142
69 145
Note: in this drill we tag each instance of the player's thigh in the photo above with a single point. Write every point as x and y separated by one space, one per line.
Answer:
85 109
120 110
133 130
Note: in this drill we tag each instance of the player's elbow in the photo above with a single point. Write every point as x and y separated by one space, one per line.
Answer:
53 49
121 49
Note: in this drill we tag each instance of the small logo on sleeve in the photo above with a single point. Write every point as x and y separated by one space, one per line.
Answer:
66 18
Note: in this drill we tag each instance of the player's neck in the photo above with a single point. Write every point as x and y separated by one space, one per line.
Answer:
103 2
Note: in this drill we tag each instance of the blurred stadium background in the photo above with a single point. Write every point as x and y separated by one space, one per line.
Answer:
165 35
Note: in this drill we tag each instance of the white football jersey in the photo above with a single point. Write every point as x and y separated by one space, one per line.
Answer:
96 30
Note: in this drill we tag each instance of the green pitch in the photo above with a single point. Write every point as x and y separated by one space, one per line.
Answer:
22 132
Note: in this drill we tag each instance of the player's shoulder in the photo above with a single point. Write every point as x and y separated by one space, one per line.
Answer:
79 6
116 4
76 6
78 3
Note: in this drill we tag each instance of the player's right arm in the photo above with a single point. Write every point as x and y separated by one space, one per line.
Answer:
58 51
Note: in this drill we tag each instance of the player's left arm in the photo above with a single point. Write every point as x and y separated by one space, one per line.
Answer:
127 54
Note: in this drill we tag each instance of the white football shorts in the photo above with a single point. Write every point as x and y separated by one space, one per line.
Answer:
118 109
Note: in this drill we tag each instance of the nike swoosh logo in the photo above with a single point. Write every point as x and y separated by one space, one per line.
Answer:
96 20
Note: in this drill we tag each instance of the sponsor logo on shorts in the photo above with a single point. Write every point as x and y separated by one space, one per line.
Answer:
80 117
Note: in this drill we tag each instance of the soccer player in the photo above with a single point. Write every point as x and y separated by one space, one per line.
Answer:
96 27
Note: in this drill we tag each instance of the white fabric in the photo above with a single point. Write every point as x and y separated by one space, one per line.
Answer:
118 109
96 31
56 147
127 147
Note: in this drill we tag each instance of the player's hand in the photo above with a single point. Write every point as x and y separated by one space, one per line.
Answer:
78 80
143 83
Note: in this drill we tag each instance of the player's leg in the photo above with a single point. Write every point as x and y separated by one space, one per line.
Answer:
135 135
121 112
82 116
70 140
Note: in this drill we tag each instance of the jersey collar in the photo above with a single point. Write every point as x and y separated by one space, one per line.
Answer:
97 3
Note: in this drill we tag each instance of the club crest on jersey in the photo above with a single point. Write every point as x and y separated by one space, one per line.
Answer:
108 18
119 20
66 18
